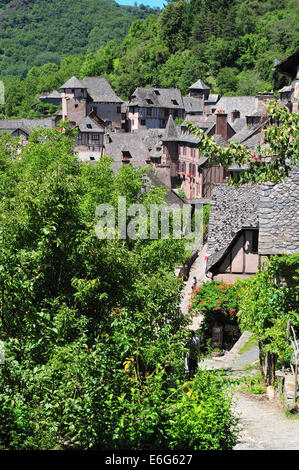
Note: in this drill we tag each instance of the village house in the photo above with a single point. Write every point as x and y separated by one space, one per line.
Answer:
92 94
251 223
199 93
151 107
188 169
23 127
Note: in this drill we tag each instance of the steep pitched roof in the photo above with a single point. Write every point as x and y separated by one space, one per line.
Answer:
244 104
157 98
100 90
73 82
199 85
192 105
233 209
90 125
171 133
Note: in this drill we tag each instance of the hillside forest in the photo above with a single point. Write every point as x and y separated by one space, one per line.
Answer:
230 44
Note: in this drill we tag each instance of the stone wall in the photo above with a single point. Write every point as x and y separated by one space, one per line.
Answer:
232 209
279 216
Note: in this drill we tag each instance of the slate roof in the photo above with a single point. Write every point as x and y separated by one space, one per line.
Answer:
53 94
140 145
88 121
200 121
73 82
212 99
162 98
232 210
251 137
26 124
171 133
100 90
199 85
246 105
192 105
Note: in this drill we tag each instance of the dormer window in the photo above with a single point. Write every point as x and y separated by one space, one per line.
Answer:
149 101
89 126
235 114
126 154
174 102
157 92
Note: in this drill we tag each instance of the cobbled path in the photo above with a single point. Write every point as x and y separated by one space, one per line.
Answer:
265 425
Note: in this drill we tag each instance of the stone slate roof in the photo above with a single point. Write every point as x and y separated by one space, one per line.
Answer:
140 145
100 90
171 133
246 105
95 126
278 213
212 99
54 94
232 210
192 105
161 100
199 85
200 121
26 124
73 82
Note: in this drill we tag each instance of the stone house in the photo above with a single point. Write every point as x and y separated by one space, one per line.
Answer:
199 92
23 127
90 135
151 107
251 223
188 169
92 94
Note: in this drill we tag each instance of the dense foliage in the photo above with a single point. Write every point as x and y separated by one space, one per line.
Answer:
38 32
92 328
268 301
231 45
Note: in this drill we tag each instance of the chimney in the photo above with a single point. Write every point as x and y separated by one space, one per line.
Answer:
221 124
265 97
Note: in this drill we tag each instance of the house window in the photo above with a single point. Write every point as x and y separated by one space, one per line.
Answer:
235 114
149 101
157 92
149 112
142 122
95 137
174 102
126 154
184 150
89 126
118 109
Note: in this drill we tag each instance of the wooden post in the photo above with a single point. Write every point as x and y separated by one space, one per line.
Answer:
287 340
